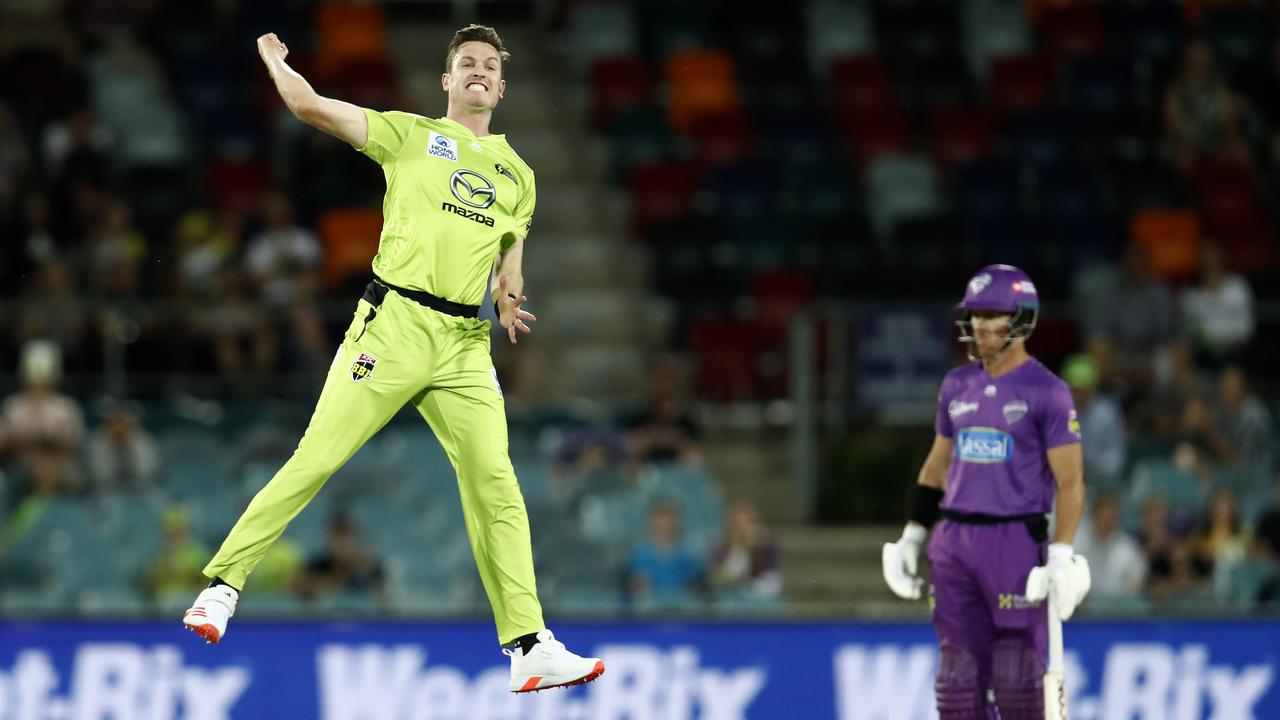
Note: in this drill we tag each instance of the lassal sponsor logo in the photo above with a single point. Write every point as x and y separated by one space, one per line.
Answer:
119 680
1147 681
642 683
984 445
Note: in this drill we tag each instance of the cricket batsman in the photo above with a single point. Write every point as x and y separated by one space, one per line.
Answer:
1007 442
458 204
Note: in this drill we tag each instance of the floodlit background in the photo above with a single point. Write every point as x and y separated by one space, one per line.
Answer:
752 224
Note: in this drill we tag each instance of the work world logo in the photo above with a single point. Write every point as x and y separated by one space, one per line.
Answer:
984 445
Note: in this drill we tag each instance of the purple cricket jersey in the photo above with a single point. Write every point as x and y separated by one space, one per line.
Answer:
1002 428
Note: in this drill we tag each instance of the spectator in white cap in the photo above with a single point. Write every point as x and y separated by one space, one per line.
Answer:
38 415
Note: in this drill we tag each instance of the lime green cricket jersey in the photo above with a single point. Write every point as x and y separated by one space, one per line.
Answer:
453 202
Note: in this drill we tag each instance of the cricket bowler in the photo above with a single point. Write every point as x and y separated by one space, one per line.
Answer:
458 205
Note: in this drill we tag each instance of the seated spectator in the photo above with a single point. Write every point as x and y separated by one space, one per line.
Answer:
347 566
1115 559
281 256
1201 113
1147 324
38 415
1105 439
244 344
52 310
588 461
665 430
1220 539
176 569
1219 310
282 569
1242 421
662 569
122 455
745 564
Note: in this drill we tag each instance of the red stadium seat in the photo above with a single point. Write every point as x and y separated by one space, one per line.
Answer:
873 132
721 139
1073 31
350 238
861 82
725 355
1249 244
365 81
1225 188
661 192
618 83
1171 239
1019 83
237 186
960 135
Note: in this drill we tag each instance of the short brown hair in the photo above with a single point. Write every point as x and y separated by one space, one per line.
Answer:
475 33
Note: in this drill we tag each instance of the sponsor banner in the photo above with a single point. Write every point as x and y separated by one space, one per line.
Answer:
706 671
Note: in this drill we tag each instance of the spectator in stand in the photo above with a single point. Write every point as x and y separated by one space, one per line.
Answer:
1242 422
1220 539
116 249
244 344
1218 312
745 565
1148 323
662 569
1115 559
174 571
1201 112
122 456
38 415
51 309
281 257
346 566
665 431
46 473
202 248
1105 439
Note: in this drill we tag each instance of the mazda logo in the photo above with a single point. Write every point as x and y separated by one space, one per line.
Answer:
472 189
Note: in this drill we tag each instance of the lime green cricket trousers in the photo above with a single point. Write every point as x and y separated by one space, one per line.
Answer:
397 351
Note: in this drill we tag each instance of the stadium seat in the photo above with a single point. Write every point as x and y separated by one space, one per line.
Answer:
1171 239
934 82
725 363
237 186
993 28
372 81
701 82
1072 30
1195 11
618 83
639 137
350 238
601 29
743 190
860 82
1039 139
676 27
874 132
1226 189
833 29
917 29
1248 242
1150 31
959 135
1019 83
1160 479
348 32
661 192
1100 89
899 186
721 138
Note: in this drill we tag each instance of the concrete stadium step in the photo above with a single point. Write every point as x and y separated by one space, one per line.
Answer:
834 565
606 317
573 208
559 158
601 372
586 264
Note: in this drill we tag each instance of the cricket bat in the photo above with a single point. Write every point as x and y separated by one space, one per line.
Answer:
1055 689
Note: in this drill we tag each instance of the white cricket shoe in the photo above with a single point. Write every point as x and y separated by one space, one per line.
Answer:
550 665
208 616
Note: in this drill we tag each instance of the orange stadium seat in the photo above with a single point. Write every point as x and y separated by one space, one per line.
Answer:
702 82
1171 239
350 239
349 31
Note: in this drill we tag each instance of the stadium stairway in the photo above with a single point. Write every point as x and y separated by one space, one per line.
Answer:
586 283
836 570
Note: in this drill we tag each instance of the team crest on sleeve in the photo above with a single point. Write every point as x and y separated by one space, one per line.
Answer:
442 147
1073 422
362 368
1014 411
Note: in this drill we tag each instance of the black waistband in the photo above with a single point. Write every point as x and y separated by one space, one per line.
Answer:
980 519
377 290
